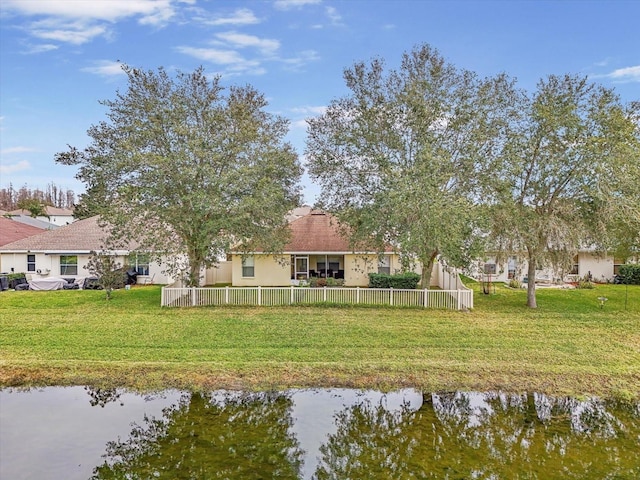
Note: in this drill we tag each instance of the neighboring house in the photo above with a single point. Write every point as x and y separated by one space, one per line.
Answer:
65 251
12 231
56 216
601 268
315 249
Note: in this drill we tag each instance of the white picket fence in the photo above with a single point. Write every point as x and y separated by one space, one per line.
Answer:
274 296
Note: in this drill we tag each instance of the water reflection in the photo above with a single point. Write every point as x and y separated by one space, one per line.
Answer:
314 434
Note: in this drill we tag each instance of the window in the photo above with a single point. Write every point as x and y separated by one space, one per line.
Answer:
512 266
617 263
384 265
575 266
248 268
31 263
68 264
490 269
140 263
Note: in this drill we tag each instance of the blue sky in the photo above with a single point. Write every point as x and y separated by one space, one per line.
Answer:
58 58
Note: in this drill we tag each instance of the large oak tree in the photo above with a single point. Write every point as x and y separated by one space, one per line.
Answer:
397 157
569 175
189 169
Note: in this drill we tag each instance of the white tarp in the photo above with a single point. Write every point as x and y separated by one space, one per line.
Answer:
47 283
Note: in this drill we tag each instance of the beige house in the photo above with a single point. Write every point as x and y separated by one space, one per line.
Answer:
65 251
56 216
315 249
601 268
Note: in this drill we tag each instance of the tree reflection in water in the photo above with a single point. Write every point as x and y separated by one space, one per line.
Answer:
489 436
224 435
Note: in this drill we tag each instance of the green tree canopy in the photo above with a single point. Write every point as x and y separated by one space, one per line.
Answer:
397 157
568 176
188 170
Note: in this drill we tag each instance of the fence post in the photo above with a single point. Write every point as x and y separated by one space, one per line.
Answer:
391 296
291 300
324 294
162 297
458 295
425 298
259 295
226 294
193 296
357 295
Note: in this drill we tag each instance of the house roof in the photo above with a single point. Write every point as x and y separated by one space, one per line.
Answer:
49 209
11 231
34 222
80 236
317 232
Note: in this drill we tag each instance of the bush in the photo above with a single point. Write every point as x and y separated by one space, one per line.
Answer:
630 274
585 282
515 283
400 281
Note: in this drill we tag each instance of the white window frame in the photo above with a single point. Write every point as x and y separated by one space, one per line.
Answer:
248 267
31 264
66 267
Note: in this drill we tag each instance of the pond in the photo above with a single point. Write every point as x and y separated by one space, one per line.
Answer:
81 433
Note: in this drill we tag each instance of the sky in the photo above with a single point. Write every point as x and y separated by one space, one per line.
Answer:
60 58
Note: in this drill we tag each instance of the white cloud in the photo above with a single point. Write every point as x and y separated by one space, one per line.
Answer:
289 4
105 68
627 74
12 150
45 47
16 167
75 33
334 16
306 56
149 11
213 55
310 110
242 16
241 40
79 21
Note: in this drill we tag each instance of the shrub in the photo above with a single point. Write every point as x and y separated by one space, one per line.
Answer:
630 274
515 283
585 282
400 281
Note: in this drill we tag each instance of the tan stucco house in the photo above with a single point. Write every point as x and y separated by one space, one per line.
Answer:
316 249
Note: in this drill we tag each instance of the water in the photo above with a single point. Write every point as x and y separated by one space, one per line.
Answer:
80 433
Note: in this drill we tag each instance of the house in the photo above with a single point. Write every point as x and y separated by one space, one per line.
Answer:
12 231
56 216
65 251
316 248
586 263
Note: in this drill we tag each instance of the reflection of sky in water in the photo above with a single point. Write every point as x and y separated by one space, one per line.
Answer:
55 433
313 415
64 435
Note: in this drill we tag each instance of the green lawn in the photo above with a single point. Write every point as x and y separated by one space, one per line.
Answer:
569 345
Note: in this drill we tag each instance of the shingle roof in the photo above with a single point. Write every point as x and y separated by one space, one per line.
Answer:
11 231
79 236
317 231
49 209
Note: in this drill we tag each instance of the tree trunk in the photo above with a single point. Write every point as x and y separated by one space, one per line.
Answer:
194 273
427 270
531 282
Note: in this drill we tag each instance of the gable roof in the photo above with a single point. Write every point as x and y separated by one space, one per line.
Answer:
317 232
80 236
12 231
51 211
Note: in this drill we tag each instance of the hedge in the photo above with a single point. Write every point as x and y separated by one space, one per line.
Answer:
630 274
400 281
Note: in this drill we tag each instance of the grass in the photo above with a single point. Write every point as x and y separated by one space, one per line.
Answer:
569 345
